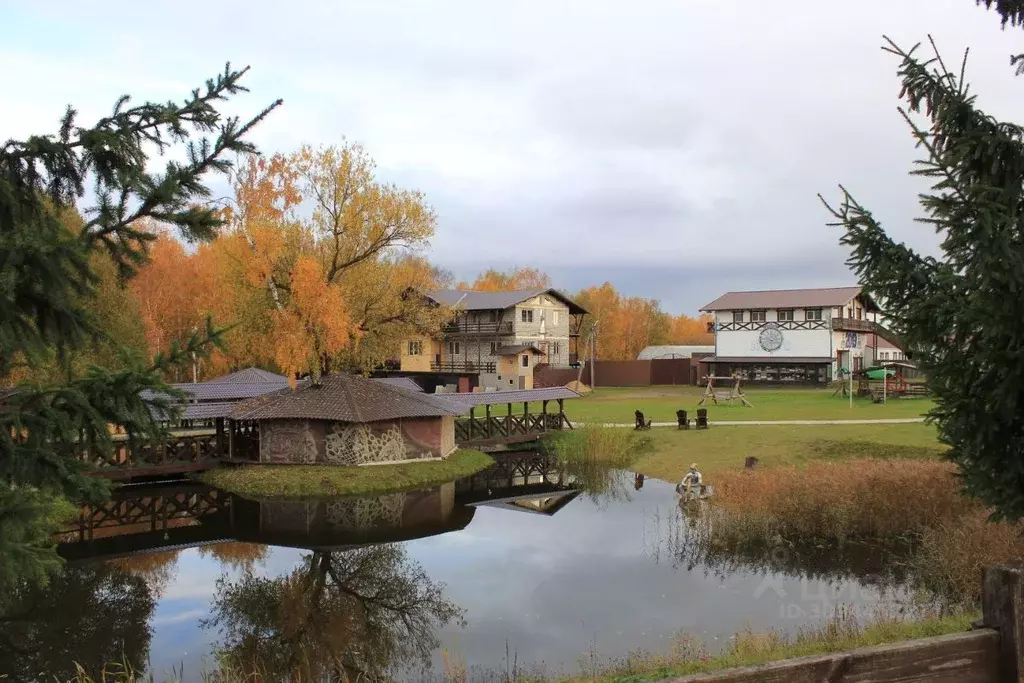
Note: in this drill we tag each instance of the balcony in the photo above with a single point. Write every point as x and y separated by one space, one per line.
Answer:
478 327
462 366
866 326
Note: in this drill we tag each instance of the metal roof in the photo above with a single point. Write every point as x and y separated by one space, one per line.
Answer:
480 398
517 349
402 382
346 398
788 298
673 351
766 359
249 376
488 301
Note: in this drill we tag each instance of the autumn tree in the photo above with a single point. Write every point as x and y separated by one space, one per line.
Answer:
333 279
48 272
516 279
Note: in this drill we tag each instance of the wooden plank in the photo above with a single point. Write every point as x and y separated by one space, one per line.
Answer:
958 658
1002 602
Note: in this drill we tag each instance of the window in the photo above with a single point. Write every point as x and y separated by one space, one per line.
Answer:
849 311
493 316
527 315
812 314
453 348
526 360
556 348
757 316
737 316
494 348
785 314
415 348
884 355
554 317
860 313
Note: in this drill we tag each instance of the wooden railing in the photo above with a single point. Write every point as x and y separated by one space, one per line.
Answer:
462 366
507 428
175 449
992 653
478 327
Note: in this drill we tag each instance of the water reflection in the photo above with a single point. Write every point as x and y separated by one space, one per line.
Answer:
92 615
547 560
342 615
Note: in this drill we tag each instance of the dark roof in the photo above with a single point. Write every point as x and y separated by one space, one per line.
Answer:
235 386
517 349
346 398
249 376
788 298
403 382
488 301
766 359
480 398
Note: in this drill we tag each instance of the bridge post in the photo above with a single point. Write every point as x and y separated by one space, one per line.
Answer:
544 416
487 415
472 421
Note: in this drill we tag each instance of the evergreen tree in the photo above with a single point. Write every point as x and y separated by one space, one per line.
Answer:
962 314
48 275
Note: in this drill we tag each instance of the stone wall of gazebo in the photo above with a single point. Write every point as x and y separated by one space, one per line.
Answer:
291 441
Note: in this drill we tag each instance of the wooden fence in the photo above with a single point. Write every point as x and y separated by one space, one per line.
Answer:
177 453
992 653
621 373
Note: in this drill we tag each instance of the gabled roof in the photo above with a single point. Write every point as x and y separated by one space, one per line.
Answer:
788 298
489 301
346 398
249 376
403 382
517 349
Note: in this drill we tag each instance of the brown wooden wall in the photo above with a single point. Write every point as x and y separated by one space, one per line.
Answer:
620 373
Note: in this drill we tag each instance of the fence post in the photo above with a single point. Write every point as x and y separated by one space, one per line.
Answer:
1002 599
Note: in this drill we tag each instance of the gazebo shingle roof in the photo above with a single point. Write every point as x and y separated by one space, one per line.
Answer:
346 398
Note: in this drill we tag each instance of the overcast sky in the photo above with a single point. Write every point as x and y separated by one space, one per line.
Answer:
673 148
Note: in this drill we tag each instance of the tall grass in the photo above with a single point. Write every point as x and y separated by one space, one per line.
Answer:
595 456
916 501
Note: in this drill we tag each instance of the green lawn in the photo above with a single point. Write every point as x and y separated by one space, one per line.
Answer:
661 403
723 448
299 481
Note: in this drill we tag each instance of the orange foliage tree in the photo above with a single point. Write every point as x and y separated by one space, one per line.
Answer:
516 279
625 325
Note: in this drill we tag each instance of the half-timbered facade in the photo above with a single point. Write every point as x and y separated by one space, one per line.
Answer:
804 336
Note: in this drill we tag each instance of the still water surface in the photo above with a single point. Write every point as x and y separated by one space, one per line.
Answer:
532 568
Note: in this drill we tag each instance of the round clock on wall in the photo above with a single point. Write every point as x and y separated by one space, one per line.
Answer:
770 337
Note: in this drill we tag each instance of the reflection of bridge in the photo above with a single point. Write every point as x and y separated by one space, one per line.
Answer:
162 517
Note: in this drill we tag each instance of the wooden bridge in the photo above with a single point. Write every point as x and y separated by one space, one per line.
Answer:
502 422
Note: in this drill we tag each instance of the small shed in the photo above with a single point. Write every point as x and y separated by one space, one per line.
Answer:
343 420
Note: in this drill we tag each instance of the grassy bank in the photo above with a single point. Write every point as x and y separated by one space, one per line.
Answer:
591 455
661 403
297 481
724 449
748 648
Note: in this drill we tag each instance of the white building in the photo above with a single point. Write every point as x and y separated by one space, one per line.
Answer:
673 351
794 335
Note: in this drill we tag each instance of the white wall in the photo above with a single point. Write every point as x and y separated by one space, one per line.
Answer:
813 343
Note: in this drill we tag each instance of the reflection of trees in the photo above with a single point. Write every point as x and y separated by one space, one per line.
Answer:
157 568
352 614
234 554
697 536
93 615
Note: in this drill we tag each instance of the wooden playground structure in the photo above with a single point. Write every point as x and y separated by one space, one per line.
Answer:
736 394
892 384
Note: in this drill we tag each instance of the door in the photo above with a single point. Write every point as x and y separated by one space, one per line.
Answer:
437 361
522 382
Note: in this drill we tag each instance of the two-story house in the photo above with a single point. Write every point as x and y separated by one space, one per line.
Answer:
495 339
794 335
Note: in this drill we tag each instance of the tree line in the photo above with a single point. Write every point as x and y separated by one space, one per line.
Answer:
312 272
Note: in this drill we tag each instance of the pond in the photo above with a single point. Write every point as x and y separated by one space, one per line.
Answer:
525 565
